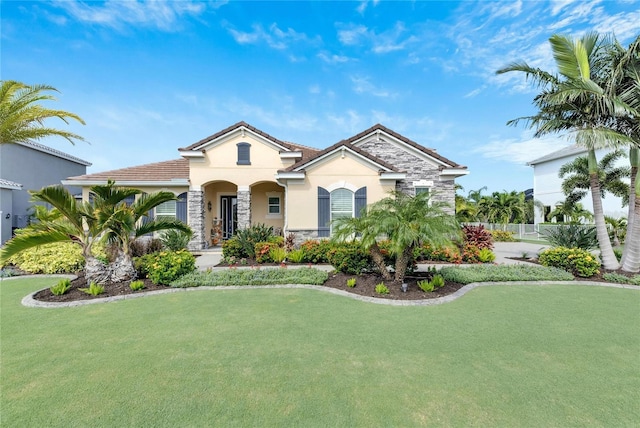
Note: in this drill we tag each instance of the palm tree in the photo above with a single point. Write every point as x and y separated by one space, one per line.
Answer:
406 221
569 210
503 207
576 177
108 218
575 102
22 118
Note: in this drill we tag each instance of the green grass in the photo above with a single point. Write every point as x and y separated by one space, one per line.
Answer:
564 355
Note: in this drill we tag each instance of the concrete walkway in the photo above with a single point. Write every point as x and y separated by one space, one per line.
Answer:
208 259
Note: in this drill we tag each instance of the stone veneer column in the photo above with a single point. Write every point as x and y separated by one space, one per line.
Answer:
195 219
244 207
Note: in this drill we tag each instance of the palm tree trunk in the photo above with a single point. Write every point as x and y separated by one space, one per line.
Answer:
631 257
378 260
634 159
609 260
96 271
122 268
402 262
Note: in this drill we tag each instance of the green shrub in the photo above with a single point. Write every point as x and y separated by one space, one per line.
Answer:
265 276
61 287
618 253
249 237
94 289
175 240
165 266
470 254
278 254
489 273
438 254
485 255
136 285
316 251
60 257
477 236
351 282
572 236
349 258
232 248
437 281
382 289
503 236
296 256
575 260
262 250
621 279
426 285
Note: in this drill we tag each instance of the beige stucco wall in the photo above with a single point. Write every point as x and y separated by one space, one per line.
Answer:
259 205
347 171
220 162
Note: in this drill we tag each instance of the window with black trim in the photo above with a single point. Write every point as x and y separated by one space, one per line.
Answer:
244 154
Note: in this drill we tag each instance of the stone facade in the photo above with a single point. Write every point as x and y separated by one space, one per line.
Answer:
195 219
244 209
302 235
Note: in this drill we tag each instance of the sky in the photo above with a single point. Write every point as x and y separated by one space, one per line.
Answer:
151 77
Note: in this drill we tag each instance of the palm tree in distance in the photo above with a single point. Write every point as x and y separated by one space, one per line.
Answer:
576 102
22 118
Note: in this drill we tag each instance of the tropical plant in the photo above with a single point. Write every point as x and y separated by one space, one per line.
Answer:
578 101
61 287
406 222
249 237
108 218
93 289
570 212
503 208
175 239
572 236
617 228
22 117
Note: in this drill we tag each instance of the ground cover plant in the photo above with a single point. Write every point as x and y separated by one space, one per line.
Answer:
563 355
264 276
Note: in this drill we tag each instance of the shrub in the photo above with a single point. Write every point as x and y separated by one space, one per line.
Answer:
575 260
470 254
232 248
136 285
316 251
621 279
351 282
289 242
382 289
278 254
503 236
61 287
437 281
442 254
165 266
618 253
262 252
572 236
175 240
249 237
94 289
477 236
266 276
486 273
61 257
428 286
296 256
349 258
425 285
485 255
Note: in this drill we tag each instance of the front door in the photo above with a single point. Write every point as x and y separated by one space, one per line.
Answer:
229 215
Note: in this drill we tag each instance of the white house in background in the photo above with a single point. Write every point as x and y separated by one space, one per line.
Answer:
547 185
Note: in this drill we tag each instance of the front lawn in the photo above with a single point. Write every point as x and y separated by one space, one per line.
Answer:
563 355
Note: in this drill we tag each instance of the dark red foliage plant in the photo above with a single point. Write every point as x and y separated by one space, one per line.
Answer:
477 236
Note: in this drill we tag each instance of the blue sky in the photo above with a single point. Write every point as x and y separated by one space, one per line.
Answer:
150 77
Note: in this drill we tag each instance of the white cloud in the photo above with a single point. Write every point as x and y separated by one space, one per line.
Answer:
274 37
523 150
362 85
353 35
332 58
314 89
348 123
161 14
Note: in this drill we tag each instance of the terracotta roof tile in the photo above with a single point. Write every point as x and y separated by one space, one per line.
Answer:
159 171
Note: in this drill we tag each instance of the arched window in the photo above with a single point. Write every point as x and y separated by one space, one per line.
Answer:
341 204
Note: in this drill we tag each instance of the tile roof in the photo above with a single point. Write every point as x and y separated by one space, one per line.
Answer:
45 149
7 184
571 150
158 171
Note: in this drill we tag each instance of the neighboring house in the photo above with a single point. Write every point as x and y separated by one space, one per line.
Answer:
547 185
30 166
242 176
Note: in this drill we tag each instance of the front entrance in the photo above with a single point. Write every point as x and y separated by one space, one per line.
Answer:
229 215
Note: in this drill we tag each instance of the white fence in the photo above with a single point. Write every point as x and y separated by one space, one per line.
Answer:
522 231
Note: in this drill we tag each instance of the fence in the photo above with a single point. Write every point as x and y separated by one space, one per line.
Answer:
521 231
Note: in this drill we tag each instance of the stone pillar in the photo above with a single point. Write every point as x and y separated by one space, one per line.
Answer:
244 207
195 219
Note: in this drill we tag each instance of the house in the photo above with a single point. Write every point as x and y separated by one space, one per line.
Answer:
547 185
242 176
28 166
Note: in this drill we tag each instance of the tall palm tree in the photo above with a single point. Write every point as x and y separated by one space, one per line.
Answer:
576 177
575 102
569 210
406 221
22 118
503 207
108 218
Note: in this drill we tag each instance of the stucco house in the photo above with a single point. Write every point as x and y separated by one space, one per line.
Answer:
28 166
547 185
241 176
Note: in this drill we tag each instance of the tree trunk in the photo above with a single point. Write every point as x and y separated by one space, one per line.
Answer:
402 262
634 159
378 260
631 258
122 268
96 271
609 260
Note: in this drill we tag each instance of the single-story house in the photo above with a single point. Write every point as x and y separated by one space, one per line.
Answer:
547 185
28 166
242 176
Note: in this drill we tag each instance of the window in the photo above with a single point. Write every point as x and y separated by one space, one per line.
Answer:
244 154
422 189
166 211
274 205
341 204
